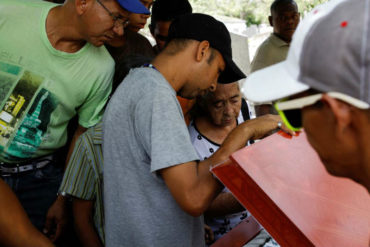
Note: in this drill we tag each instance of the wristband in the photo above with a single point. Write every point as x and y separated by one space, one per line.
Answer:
65 195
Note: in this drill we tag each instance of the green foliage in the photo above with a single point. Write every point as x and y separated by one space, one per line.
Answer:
254 12
251 19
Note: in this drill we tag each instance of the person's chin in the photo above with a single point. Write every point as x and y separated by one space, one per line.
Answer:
116 42
97 43
332 169
185 96
288 34
134 29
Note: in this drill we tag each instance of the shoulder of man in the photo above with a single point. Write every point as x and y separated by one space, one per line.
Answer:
278 42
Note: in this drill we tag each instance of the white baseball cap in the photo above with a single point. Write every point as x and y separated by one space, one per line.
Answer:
330 52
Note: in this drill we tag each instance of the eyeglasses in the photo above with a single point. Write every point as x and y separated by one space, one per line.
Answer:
290 110
119 21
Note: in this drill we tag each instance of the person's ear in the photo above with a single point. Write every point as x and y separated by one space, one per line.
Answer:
270 21
81 6
213 87
202 50
341 111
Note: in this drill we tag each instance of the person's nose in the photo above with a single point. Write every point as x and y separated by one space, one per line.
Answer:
228 110
119 30
290 21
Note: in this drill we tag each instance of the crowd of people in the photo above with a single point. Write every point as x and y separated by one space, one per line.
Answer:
106 140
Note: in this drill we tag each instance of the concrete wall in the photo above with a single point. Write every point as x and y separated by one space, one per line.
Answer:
240 51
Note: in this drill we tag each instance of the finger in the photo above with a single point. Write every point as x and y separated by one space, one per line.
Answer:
289 131
211 235
284 128
48 225
58 231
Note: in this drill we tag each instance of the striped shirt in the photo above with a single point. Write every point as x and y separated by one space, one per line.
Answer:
83 177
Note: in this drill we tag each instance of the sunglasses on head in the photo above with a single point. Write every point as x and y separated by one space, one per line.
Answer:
291 113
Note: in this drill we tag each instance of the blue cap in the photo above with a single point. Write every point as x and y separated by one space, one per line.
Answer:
134 6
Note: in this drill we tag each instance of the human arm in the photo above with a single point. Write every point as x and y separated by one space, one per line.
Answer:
16 228
88 101
83 221
79 131
209 236
224 204
57 216
191 183
264 109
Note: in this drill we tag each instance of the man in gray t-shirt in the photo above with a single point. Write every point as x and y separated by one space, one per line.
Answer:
155 190
153 136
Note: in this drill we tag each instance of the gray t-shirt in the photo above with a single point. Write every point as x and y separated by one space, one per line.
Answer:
144 132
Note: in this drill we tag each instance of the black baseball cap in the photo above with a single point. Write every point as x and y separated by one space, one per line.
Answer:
202 27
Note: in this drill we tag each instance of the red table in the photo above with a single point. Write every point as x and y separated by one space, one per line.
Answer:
283 183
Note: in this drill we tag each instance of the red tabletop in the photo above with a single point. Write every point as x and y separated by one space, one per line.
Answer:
283 183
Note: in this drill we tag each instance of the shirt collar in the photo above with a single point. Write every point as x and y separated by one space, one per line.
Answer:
278 41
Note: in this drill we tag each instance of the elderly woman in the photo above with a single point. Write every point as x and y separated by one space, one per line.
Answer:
213 117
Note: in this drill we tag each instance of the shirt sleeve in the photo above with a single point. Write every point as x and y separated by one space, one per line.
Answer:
91 111
261 59
168 141
79 177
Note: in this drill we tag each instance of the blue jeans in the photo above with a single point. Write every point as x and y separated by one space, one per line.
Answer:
36 190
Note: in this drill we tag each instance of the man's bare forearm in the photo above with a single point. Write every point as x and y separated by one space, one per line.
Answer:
192 184
16 228
84 225
224 204
209 186
237 139
79 131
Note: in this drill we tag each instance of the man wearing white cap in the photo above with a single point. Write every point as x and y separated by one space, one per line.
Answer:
325 86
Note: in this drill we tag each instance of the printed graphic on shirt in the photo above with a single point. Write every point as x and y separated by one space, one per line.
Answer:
25 111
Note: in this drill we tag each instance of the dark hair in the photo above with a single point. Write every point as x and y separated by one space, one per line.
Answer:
136 51
176 45
167 10
135 43
277 3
